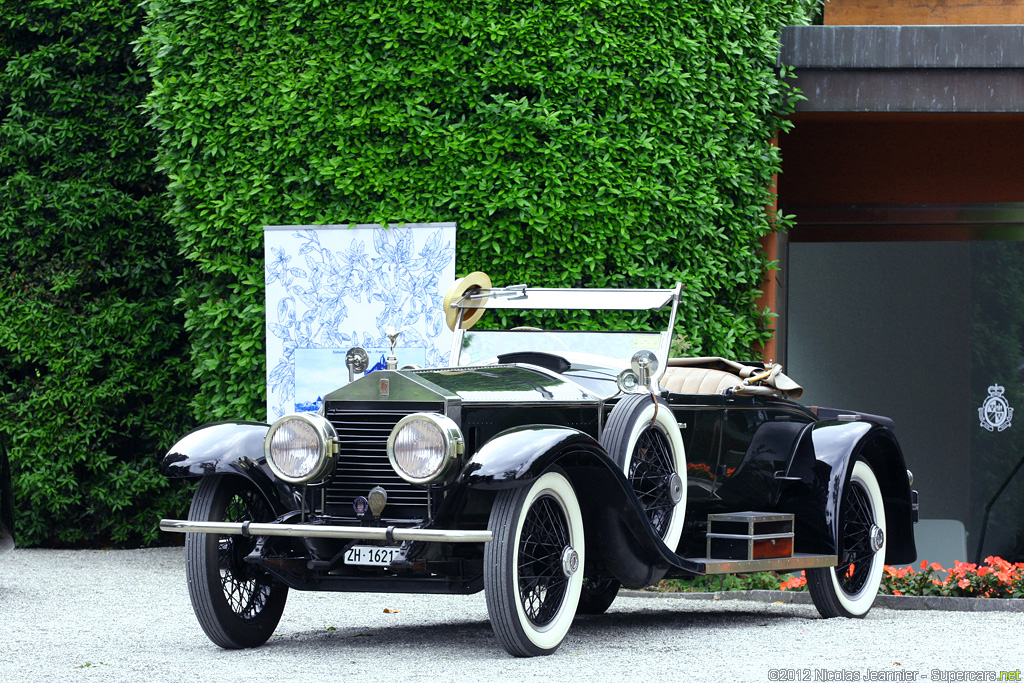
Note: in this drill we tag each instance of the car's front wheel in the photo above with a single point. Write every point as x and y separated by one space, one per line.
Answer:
237 604
533 567
849 589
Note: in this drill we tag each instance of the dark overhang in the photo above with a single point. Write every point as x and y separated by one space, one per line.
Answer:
974 68
908 223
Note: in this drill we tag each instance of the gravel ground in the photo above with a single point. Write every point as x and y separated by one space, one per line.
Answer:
125 616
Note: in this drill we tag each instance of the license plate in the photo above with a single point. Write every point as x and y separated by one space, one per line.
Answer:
370 555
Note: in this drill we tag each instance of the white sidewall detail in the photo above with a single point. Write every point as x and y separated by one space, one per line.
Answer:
861 602
666 423
558 487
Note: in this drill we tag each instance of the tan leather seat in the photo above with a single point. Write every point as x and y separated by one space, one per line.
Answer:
684 380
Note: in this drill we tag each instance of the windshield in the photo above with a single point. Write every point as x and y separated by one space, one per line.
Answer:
595 358
591 358
611 350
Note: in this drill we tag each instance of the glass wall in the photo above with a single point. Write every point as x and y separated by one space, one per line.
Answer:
932 335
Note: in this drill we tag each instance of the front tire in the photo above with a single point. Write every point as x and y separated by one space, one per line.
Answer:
237 604
849 589
643 437
533 567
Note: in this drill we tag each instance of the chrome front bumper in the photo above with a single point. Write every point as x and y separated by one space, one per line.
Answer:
390 534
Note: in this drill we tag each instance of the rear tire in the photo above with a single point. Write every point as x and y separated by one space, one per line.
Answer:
849 589
237 604
597 596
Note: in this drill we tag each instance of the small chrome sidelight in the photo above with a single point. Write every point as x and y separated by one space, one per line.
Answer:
638 378
628 382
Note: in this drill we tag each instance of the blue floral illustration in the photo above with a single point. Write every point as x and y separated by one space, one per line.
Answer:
315 287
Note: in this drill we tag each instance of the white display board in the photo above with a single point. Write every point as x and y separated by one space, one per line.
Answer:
332 287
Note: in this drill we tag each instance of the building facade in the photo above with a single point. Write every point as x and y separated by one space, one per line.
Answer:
901 290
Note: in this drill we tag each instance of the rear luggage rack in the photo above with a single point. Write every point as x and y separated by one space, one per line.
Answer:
750 536
744 542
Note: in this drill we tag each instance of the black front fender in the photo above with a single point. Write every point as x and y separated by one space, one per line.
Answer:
233 448
517 456
620 539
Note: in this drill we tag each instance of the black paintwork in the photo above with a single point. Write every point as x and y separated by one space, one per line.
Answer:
743 454
234 448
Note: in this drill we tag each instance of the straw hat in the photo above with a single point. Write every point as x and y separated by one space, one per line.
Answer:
459 288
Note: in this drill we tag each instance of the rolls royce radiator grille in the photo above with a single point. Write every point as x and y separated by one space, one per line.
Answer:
363 464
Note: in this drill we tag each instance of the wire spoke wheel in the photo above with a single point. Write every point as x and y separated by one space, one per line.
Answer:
849 588
533 566
597 595
542 583
854 570
643 437
237 604
246 592
650 473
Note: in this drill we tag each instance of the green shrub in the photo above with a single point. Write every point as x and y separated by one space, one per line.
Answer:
710 583
92 355
582 143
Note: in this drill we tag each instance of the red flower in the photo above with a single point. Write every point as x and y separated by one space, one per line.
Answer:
794 582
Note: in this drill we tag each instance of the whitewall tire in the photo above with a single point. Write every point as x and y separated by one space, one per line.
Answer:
533 567
849 589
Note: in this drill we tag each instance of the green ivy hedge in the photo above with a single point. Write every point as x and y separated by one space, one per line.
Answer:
92 354
582 143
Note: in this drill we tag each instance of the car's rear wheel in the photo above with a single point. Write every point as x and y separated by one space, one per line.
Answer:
597 595
643 437
849 589
533 566
237 604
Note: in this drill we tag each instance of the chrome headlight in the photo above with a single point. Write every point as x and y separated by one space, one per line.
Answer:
300 448
422 446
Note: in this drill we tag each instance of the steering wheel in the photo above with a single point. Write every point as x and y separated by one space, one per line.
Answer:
549 361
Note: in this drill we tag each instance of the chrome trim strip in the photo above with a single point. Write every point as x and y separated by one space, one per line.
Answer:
573 298
798 561
666 343
326 531
546 298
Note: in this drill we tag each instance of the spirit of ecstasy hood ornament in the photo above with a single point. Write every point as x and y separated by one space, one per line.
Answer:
392 334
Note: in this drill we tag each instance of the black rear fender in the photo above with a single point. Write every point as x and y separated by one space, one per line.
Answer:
881 450
837 445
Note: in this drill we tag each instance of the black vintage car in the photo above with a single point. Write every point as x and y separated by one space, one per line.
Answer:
546 468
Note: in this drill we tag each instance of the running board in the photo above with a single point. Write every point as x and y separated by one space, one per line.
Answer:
708 565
